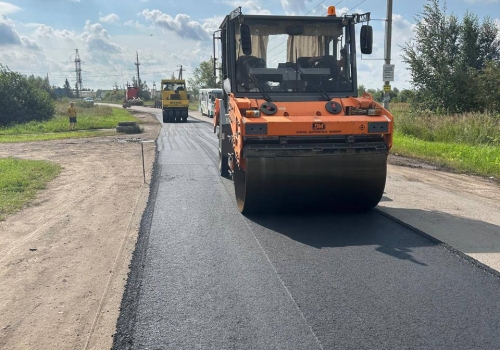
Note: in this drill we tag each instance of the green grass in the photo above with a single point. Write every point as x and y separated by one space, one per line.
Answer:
91 122
20 180
193 106
467 143
480 160
467 128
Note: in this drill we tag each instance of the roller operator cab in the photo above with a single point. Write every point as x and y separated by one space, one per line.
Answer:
292 130
174 100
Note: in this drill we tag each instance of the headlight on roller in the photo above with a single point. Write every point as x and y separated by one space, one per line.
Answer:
252 113
374 111
363 111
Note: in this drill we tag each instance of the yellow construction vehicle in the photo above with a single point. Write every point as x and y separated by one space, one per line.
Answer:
292 130
174 100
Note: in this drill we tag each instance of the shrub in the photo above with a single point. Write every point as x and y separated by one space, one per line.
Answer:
22 100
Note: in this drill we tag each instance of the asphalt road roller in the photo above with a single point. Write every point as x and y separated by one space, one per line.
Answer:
293 132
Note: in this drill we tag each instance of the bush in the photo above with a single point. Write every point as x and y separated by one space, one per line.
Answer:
22 100
84 104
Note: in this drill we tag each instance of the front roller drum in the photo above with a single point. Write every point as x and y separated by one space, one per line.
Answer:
311 183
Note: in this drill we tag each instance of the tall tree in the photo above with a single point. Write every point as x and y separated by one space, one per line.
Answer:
469 38
433 55
489 42
446 57
203 77
67 89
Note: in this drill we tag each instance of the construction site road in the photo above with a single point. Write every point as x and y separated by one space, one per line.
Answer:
203 276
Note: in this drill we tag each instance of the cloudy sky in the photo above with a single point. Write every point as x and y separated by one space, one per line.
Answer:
40 36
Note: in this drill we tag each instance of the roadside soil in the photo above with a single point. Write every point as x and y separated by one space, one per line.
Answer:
64 258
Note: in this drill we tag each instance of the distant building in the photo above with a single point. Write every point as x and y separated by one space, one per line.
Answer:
84 94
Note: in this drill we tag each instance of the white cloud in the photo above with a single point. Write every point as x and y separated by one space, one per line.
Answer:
46 32
181 24
249 7
212 24
133 24
97 39
9 35
8 8
111 18
296 7
370 67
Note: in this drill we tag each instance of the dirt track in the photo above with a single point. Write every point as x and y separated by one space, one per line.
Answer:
64 259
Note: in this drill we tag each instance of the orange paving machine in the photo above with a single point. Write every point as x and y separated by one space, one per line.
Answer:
292 130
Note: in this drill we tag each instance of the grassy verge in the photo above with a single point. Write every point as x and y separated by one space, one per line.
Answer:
467 143
480 160
97 121
20 180
193 106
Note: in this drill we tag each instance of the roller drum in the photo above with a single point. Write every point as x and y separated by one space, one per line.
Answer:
320 183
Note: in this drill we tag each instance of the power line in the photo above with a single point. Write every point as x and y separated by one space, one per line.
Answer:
318 5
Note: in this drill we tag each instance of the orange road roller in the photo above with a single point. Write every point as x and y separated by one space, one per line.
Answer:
293 132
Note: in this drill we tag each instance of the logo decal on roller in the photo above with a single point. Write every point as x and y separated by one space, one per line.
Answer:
319 126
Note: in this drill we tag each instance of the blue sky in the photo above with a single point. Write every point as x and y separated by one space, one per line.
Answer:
40 36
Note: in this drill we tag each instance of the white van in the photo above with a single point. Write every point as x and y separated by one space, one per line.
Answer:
207 99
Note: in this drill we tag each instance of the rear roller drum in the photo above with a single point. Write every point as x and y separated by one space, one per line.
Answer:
223 166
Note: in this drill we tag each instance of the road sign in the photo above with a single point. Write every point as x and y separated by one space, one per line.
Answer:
388 72
387 88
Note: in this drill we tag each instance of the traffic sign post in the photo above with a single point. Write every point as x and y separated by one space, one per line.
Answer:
388 72
388 39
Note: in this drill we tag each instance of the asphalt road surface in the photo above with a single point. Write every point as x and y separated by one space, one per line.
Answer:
205 277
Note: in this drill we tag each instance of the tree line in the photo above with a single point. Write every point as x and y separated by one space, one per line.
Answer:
454 64
24 98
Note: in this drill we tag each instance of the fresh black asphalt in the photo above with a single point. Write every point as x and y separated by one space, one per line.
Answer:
205 277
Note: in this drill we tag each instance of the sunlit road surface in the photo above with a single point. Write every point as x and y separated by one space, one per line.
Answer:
206 277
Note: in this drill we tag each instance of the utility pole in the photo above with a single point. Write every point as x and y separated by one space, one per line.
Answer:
387 67
138 76
180 73
78 70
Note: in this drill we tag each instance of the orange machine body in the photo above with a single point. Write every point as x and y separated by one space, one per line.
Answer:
300 119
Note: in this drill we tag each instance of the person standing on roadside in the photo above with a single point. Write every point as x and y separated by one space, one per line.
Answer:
72 116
